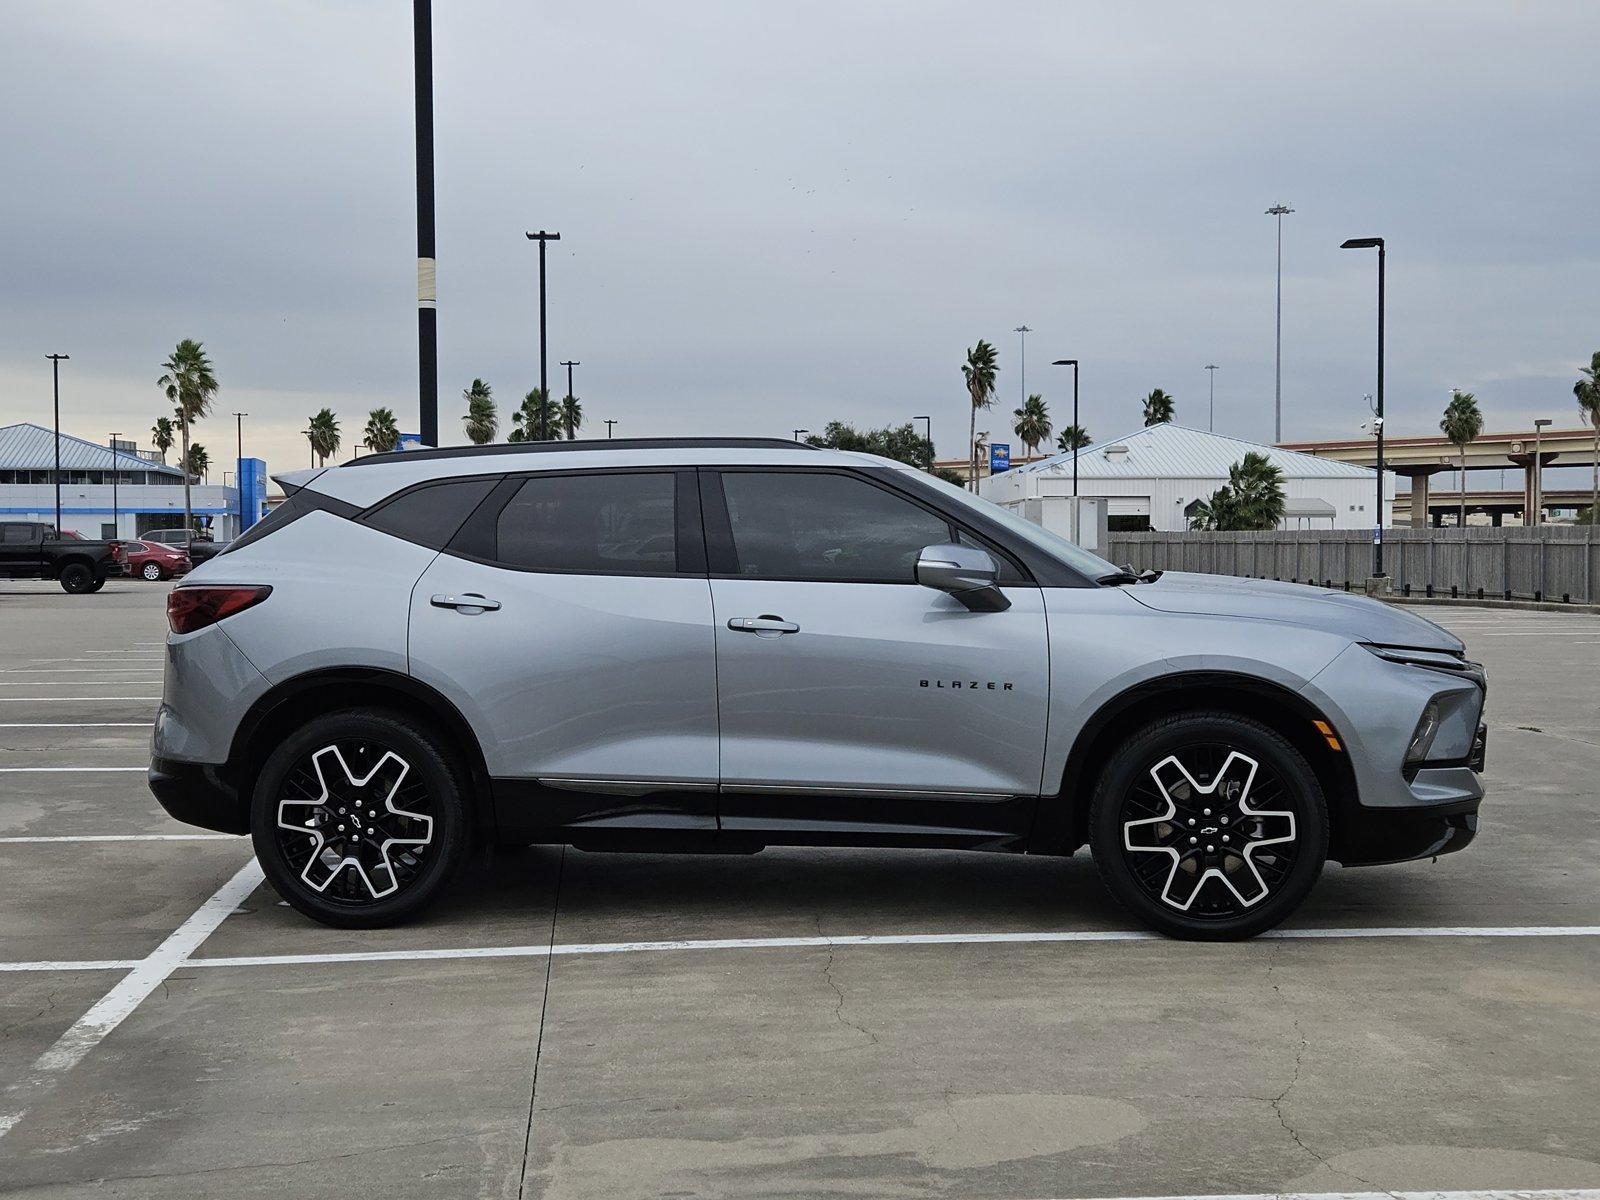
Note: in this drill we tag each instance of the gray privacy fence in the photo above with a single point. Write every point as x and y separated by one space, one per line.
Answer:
1547 562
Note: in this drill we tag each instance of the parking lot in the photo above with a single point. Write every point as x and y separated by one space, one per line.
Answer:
794 1023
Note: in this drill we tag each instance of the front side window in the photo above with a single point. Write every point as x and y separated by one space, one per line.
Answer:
593 523
825 527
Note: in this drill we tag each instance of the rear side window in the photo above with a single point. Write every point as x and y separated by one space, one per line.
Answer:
16 535
593 524
431 514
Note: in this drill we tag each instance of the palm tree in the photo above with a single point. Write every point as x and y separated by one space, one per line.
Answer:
1252 498
481 421
1588 393
1461 424
979 371
190 385
537 420
1073 437
382 432
199 462
161 437
322 431
1032 422
571 415
1158 408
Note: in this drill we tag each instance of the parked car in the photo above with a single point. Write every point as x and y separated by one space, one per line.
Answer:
198 545
156 560
725 644
33 550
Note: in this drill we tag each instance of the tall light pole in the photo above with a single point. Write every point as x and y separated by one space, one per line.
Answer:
1538 470
1377 529
238 465
1280 211
928 437
55 376
116 526
1076 429
609 423
798 432
1022 372
427 265
1211 415
542 237
569 365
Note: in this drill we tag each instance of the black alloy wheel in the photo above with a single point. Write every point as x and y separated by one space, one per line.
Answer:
1209 826
359 819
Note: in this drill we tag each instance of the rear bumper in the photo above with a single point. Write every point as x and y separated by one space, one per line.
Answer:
197 794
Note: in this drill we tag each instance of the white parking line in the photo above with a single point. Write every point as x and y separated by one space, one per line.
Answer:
74 724
113 1008
47 839
79 671
65 770
74 699
1530 1194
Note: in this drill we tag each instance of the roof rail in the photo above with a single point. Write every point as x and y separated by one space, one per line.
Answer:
685 443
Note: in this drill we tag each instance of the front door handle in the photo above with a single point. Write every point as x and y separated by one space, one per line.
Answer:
466 602
766 623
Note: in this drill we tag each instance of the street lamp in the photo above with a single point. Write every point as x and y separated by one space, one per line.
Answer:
1371 243
1077 429
427 265
238 467
1280 211
1022 373
1211 415
609 423
55 374
1538 469
928 437
798 432
116 526
542 237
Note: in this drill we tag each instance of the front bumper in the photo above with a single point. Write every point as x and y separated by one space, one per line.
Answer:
198 794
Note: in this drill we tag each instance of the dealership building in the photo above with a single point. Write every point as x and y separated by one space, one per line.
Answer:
119 492
1152 479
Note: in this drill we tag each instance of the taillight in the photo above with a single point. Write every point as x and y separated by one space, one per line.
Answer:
192 608
116 551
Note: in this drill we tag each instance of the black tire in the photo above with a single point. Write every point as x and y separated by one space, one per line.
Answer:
77 578
99 582
1193 868
369 875
152 572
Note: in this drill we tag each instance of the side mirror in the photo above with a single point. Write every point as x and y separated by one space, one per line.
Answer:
964 572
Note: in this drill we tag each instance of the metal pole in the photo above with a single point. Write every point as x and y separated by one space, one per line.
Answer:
609 424
542 237
427 265
1022 372
1538 474
238 467
1279 211
571 433
1377 545
55 377
798 432
116 525
1211 415
927 437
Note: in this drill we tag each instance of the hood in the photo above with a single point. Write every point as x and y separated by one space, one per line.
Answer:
1356 617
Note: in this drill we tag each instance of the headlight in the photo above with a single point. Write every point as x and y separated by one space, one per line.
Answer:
1432 660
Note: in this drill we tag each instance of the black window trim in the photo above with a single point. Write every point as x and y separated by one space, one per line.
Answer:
476 540
723 557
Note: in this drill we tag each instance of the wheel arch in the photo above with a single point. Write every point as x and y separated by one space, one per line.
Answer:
1062 823
71 560
291 703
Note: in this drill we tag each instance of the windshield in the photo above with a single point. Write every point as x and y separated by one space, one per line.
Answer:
1075 556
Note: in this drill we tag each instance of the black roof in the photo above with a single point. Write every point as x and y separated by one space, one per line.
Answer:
686 443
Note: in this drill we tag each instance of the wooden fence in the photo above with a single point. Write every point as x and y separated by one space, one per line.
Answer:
1546 562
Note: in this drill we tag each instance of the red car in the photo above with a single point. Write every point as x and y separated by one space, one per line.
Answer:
155 561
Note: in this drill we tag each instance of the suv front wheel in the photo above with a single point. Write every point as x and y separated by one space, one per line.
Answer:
359 818
1209 826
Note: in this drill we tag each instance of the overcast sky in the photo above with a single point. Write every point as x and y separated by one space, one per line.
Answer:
774 215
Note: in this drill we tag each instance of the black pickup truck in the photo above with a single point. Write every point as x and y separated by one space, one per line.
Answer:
33 550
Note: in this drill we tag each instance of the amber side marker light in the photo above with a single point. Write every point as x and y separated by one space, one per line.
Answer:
1328 735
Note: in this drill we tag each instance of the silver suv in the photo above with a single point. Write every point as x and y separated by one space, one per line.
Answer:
725 644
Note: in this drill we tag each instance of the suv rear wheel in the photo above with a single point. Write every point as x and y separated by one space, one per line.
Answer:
360 818
1209 826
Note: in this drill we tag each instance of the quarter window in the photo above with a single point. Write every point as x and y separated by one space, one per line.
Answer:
594 523
432 514
826 527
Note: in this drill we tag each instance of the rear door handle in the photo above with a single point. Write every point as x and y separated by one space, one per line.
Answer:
466 602
765 623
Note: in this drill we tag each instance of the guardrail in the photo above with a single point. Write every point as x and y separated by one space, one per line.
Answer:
1545 562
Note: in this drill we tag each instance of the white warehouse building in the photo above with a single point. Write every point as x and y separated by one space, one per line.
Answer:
1152 478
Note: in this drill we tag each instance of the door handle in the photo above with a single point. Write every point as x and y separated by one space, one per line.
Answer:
765 623
466 602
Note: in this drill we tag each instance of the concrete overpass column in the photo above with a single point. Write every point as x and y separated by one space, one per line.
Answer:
1419 476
